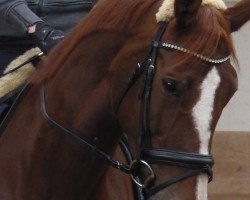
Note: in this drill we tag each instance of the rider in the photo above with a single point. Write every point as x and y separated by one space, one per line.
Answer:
25 24
30 23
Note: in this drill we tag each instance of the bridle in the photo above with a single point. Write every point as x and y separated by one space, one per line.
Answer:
196 163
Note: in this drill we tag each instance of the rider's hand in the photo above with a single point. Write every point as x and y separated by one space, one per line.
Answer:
46 37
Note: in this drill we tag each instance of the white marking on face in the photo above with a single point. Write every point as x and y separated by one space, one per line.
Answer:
202 114
202 111
201 187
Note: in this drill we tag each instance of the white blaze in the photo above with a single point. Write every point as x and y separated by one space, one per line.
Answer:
202 114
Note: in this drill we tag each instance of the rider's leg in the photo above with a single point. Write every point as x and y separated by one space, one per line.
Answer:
4 107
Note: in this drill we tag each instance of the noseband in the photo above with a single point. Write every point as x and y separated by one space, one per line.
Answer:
146 156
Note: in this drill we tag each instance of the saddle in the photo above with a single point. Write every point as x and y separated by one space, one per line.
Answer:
15 76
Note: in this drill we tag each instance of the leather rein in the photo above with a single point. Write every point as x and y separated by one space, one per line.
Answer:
146 156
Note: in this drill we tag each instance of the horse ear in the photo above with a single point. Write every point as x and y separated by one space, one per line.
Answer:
185 12
238 15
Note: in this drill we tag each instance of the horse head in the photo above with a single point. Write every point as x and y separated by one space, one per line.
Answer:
189 77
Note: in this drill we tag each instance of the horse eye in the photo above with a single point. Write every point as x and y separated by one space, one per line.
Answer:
171 86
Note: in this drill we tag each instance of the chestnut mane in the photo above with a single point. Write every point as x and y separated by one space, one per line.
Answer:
117 16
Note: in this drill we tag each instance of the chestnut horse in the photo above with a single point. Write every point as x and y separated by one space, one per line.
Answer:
59 142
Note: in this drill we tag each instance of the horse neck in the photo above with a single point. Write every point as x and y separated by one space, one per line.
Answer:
79 92
77 97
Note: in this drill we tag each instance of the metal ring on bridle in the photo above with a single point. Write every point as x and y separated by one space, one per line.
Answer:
134 166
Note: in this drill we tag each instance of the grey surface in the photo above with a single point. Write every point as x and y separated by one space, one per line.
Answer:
236 116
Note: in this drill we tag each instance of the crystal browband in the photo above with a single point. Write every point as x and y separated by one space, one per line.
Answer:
184 50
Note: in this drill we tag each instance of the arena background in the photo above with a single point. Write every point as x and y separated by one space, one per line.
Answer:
231 144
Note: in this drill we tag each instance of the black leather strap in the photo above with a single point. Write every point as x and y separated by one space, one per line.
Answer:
34 59
96 151
149 72
139 191
132 79
153 190
177 158
198 164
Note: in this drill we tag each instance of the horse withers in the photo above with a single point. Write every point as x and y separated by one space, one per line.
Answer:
91 89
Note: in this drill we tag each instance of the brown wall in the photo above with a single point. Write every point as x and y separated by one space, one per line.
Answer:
231 151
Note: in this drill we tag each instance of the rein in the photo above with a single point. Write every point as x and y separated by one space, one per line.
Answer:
33 59
95 150
197 163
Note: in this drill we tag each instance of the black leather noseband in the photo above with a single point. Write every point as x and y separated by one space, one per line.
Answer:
177 158
197 163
